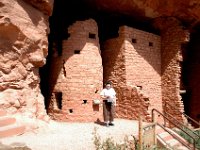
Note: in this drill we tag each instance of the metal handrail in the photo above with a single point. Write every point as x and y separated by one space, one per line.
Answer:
167 145
188 117
156 123
173 136
183 125
194 141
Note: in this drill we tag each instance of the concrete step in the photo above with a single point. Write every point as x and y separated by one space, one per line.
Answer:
4 121
2 113
166 136
12 131
182 148
167 140
173 142
9 126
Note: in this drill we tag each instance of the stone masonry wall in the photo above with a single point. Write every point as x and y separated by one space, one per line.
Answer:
143 63
114 62
121 67
172 37
78 74
132 103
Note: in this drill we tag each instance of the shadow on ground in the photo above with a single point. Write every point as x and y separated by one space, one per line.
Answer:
14 146
99 122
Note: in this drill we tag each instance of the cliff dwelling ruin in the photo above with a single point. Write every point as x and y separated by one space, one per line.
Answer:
150 52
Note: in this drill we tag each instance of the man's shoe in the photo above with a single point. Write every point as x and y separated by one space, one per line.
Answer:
111 124
106 124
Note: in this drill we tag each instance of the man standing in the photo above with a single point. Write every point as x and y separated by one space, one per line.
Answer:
108 95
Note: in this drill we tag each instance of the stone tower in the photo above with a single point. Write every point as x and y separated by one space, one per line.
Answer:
77 75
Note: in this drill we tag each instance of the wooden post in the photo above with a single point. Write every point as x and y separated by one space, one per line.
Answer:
140 133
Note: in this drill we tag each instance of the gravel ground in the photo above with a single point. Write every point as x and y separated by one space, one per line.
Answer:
71 136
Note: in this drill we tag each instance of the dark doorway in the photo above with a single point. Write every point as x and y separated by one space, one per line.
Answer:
191 75
58 96
185 90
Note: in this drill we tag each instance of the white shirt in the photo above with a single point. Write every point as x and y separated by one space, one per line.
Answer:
109 92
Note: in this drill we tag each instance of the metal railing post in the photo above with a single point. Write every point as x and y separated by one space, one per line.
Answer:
176 125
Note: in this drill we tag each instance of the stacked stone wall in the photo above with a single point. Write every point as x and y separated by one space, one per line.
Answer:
78 75
143 63
173 36
133 61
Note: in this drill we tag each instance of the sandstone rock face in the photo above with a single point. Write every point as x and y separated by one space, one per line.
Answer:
23 48
45 6
186 10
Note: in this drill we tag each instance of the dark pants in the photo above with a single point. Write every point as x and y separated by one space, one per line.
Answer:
108 111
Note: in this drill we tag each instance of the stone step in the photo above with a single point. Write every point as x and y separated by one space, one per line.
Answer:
173 142
4 121
2 113
159 130
9 126
168 137
167 140
163 134
182 148
16 130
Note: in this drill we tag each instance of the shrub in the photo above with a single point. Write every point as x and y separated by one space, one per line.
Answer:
109 143
188 138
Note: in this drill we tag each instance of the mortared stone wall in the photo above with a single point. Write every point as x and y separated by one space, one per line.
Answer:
77 77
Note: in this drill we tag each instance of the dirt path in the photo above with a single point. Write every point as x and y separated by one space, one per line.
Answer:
72 136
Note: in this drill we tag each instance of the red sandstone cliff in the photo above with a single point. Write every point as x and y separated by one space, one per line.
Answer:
23 49
186 10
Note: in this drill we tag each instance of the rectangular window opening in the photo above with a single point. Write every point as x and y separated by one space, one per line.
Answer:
70 110
64 70
77 51
58 96
140 87
84 101
92 36
134 41
150 43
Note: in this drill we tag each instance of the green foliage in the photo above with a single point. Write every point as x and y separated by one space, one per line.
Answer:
188 138
109 143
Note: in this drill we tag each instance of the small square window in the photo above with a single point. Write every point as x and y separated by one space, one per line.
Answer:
70 110
84 101
92 36
140 87
77 51
134 41
150 43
